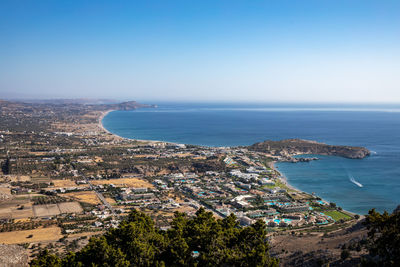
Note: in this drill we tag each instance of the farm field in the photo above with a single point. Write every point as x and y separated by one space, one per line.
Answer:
124 182
17 208
46 210
64 183
56 209
84 196
111 201
38 235
19 178
41 180
70 207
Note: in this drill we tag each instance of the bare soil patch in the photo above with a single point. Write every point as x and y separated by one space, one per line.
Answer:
124 182
63 183
84 196
31 236
70 207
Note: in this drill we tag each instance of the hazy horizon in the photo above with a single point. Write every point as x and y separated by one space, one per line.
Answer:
221 103
259 52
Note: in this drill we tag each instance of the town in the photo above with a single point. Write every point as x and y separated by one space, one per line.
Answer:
64 178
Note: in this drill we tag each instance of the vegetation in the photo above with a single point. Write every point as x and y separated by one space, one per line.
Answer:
383 238
199 241
337 215
41 200
5 166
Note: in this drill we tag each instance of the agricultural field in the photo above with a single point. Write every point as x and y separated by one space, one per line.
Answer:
111 201
84 196
70 207
19 178
30 236
18 208
46 210
39 180
124 182
56 209
63 183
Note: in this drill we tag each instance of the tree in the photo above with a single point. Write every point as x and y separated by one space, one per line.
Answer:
98 253
45 259
345 254
177 252
384 237
138 238
199 241
5 167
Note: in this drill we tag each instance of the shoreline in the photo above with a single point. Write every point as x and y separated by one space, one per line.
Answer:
101 126
281 177
284 179
100 122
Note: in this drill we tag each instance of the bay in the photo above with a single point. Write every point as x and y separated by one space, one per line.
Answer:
219 124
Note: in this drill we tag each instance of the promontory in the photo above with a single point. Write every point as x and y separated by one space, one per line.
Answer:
290 147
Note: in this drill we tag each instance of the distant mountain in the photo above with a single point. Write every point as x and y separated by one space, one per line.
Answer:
130 105
290 147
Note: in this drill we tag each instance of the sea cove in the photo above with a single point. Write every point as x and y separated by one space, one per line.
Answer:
376 128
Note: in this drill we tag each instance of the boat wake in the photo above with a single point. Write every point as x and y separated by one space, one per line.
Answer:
355 182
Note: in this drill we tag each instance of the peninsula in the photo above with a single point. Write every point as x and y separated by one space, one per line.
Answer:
290 147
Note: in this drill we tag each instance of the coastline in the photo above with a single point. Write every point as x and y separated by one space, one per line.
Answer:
101 126
281 177
100 122
284 179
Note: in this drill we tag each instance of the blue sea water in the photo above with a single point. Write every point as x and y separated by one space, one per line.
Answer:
374 127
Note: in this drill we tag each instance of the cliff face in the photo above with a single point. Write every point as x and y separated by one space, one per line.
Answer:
289 147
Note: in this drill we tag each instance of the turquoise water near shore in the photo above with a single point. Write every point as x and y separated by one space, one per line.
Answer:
377 128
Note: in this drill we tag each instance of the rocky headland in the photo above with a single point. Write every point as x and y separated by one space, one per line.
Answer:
291 147
130 105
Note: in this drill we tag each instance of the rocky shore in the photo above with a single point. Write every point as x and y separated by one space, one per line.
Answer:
295 160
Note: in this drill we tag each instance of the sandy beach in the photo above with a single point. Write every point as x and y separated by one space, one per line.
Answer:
101 126
100 123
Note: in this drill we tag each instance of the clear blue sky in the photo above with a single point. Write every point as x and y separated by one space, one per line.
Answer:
330 51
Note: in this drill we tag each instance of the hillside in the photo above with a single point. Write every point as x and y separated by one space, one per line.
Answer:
130 105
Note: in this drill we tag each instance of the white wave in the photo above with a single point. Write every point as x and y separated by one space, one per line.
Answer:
355 182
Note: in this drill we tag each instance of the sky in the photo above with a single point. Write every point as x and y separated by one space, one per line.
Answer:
219 50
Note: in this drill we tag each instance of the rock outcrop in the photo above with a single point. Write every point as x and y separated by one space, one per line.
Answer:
13 255
290 147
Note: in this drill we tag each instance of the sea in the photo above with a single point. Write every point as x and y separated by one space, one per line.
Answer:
357 185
